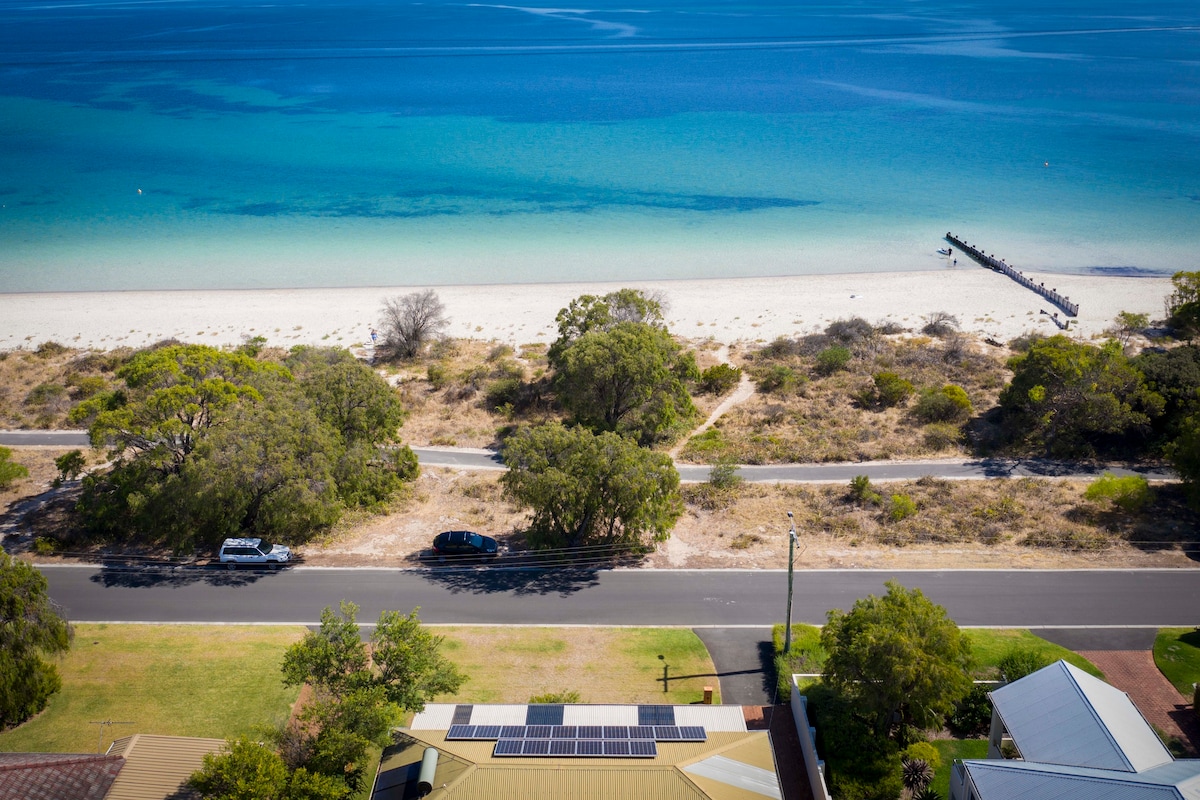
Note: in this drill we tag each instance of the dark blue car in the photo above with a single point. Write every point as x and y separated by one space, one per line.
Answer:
464 543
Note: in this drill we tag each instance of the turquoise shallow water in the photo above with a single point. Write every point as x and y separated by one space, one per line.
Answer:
224 145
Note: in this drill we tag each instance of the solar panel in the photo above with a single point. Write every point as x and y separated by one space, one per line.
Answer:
656 715
564 732
641 732
589 747
590 732
666 733
544 714
643 749
616 747
508 747
462 714
512 732
538 731
616 731
535 747
692 733
562 747
461 732
487 732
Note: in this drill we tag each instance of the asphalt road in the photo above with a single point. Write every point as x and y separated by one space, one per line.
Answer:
781 473
719 598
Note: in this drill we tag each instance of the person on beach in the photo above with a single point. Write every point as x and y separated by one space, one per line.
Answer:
374 336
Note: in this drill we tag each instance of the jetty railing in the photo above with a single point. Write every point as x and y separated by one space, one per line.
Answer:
999 265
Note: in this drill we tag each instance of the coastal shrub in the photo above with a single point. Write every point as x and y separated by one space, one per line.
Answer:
504 392
48 398
1022 343
554 698
1129 493
498 352
948 404
940 323
779 379
86 385
50 348
781 347
438 376
890 389
70 465
849 331
719 379
942 435
408 323
889 328
862 492
724 475
10 471
833 359
900 507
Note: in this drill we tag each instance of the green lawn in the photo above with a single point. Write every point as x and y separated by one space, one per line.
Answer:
1177 654
950 749
990 645
605 665
178 680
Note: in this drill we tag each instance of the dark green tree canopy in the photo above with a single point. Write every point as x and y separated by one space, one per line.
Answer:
31 631
1072 399
211 444
591 313
897 657
586 488
10 470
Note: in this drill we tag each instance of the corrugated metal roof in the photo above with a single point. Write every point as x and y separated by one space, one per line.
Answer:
156 767
467 771
1062 715
738 774
1004 780
438 716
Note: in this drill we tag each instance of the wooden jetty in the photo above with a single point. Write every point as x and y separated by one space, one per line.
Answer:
999 265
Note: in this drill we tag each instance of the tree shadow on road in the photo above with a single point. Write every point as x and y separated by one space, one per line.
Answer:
524 581
148 577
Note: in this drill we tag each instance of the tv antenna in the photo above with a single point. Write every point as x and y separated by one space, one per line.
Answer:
100 743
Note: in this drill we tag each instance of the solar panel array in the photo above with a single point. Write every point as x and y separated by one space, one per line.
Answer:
593 741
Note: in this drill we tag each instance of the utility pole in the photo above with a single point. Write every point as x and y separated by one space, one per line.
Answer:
787 631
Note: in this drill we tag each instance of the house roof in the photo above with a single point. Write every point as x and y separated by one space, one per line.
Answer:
732 764
1178 780
1062 715
57 776
157 767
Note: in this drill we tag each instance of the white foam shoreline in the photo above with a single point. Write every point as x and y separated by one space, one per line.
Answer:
727 310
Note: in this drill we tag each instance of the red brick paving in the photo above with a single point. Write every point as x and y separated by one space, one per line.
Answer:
1134 672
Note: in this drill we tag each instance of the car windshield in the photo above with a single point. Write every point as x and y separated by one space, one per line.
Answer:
265 547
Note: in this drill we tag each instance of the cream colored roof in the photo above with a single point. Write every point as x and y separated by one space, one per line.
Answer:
156 767
467 771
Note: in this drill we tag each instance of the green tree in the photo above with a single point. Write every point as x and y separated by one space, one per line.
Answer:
628 378
31 630
897 658
409 323
348 395
359 694
1174 374
1019 662
1071 399
249 770
70 465
591 313
586 488
1184 453
10 470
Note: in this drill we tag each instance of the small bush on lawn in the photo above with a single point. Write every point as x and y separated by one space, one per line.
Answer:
833 359
1129 493
891 390
1018 662
719 379
555 697
923 751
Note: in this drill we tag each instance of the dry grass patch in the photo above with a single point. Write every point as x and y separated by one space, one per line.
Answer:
605 665
39 387
803 415
173 680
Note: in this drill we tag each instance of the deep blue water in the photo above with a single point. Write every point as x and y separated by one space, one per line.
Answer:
234 144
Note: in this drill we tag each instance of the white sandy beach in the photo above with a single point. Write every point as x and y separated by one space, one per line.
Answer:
726 310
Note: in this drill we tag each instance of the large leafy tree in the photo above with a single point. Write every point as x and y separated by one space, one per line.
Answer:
618 369
209 443
31 631
585 488
360 692
249 770
898 658
1070 398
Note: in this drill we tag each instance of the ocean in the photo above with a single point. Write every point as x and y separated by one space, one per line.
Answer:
188 144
